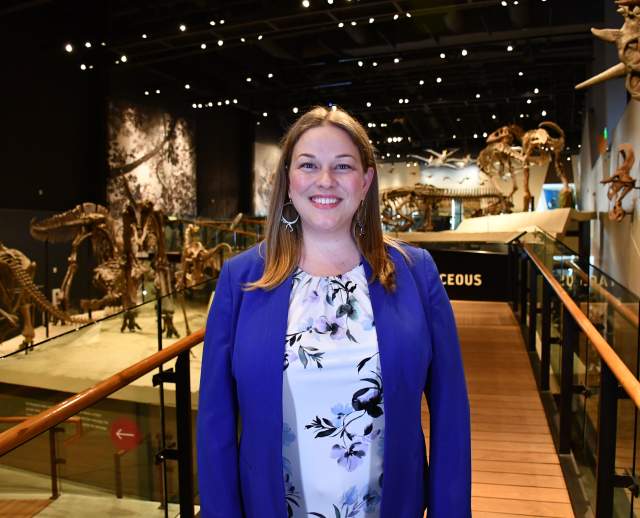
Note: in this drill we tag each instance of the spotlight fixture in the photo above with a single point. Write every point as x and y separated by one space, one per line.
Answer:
203 46
475 135
182 27
69 48
438 80
368 104
270 75
454 136
341 25
123 58
83 67
157 91
544 113
360 63
144 36
371 20
493 116
408 15
295 109
265 114
210 104
520 74
421 82
330 2
212 22
442 55
242 40
219 103
146 92
509 48
187 86
477 96
306 3
396 16
464 52
536 90
484 134
374 64
259 37
528 101
220 43
221 22
235 101
227 102
87 44
396 60
194 105
354 23
248 79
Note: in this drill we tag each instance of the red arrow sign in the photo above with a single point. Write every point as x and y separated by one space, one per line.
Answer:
125 434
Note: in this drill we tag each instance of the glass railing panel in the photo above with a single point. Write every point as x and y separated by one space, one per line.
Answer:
106 460
625 455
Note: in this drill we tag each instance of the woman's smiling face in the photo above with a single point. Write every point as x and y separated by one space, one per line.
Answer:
326 180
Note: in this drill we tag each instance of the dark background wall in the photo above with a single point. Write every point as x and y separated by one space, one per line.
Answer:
224 162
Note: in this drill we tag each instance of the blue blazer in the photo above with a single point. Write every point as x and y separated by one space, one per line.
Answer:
241 380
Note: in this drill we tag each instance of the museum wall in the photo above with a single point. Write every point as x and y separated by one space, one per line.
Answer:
224 162
615 246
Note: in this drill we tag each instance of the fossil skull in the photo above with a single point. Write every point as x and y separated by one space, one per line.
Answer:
626 39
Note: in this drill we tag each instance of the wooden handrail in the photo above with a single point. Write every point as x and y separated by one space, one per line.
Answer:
622 373
35 425
624 311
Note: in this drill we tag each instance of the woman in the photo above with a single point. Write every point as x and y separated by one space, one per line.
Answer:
364 328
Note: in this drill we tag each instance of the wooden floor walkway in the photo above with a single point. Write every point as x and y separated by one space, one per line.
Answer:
516 471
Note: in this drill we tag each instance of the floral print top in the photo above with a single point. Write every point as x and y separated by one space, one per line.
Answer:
333 402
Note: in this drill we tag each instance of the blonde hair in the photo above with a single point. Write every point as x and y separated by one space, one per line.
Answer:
282 248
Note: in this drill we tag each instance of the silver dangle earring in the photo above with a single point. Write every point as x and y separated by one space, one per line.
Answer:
289 223
359 223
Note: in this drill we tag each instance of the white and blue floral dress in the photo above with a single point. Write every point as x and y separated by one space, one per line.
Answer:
333 426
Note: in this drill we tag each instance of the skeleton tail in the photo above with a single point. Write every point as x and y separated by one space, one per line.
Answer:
553 126
27 284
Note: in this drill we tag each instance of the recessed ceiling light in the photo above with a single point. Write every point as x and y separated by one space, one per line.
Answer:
442 55
477 96
484 134
509 48
520 74
146 92
374 64
306 3
144 36
528 101
248 79
341 25
360 63
396 60
83 67
212 22
536 90
242 40
123 58
265 114
182 27
209 104
408 15
203 46
269 75
87 44
68 47
371 20
494 116
187 86
158 91
396 16
544 113
475 135
220 43
354 23
235 101
259 37
368 104
438 80
421 82
295 109
221 22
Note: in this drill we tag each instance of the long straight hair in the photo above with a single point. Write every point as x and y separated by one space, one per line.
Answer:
282 248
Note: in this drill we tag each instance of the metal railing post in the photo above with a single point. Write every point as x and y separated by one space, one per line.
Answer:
184 433
523 290
533 306
569 339
545 336
53 461
606 451
117 465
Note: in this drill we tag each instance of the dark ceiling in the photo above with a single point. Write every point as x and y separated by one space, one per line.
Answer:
314 60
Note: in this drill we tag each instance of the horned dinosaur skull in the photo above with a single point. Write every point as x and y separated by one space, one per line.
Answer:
627 40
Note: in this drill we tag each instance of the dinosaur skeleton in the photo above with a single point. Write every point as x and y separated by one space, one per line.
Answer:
445 159
621 182
627 40
538 146
197 260
86 221
18 295
501 157
407 208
